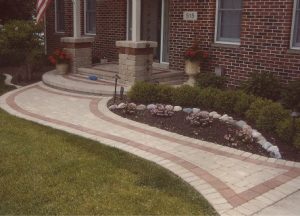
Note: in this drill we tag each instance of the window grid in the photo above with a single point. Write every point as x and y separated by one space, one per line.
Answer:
59 16
223 14
90 17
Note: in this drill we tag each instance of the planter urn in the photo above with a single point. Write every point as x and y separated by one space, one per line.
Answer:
62 69
192 68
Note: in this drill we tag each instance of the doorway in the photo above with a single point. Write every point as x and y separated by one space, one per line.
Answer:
154 26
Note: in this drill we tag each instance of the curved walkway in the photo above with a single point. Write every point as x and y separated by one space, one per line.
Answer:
233 181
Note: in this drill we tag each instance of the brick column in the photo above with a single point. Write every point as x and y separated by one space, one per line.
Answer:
80 50
135 60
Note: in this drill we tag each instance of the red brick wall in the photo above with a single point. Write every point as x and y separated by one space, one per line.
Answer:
265 38
53 39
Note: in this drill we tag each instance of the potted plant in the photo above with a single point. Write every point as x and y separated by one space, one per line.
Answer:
61 59
193 57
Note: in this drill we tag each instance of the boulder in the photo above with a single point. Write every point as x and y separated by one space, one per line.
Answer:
274 152
188 110
196 110
177 108
204 114
141 107
169 107
113 107
211 114
241 124
151 106
255 134
217 116
121 106
265 144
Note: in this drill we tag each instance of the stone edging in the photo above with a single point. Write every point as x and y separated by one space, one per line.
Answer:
8 79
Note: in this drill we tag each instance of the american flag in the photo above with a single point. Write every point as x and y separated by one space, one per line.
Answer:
41 7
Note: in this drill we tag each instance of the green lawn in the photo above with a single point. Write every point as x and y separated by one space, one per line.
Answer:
46 171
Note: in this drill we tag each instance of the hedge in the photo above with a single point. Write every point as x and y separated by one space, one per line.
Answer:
265 114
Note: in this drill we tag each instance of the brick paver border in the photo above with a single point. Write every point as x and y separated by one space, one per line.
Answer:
234 199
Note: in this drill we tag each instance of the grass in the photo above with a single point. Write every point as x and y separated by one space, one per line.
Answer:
46 171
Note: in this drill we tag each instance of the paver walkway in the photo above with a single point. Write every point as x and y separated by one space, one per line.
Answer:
233 181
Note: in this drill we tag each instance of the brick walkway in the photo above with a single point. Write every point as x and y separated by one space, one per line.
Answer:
233 181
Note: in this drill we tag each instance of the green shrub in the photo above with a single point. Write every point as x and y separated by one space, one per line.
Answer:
270 115
243 103
256 107
207 97
291 95
297 141
264 85
166 94
225 101
185 96
285 131
18 39
143 92
205 80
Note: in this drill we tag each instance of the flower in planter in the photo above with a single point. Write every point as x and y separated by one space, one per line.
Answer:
195 54
59 57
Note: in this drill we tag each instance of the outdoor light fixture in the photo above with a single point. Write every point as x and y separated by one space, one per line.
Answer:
294 116
117 77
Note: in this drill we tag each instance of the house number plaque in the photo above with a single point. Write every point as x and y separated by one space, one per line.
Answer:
190 15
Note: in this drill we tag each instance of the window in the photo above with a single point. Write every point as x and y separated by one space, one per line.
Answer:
296 26
59 16
90 16
228 21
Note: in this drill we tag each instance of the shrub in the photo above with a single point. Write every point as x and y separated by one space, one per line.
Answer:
256 107
142 92
297 141
166 94
205 80
264 85
207 98
225 101
285 130
243 103
185 96
270 115
291 95
17 40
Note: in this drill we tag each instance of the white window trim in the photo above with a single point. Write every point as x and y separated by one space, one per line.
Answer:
293 27
85 32
55 7
216 29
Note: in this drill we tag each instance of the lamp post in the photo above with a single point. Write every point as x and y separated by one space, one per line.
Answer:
117 77
294 116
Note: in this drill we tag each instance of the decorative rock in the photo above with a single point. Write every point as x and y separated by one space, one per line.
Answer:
255 134
132 105
241 124
151 106
169 107
204 114
212 114
217 116
225 118
266 145
188 110
121 106
177 108
196 110
113 107
274 152
141 107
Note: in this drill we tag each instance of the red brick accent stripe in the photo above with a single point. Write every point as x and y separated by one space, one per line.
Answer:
233 198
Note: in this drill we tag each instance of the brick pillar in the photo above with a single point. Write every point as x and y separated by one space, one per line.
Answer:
80 50
135 60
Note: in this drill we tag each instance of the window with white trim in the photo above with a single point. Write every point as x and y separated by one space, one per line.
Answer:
296 27
228 21
59 16
90 16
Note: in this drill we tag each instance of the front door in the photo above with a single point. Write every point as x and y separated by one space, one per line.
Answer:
154 26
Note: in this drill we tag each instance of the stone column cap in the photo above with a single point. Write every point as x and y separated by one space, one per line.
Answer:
77 40
136 44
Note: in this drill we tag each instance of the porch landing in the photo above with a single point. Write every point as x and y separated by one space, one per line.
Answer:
80 82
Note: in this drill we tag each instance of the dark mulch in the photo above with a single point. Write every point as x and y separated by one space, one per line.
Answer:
22 77
214 133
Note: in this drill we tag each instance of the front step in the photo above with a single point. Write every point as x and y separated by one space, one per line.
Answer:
159 75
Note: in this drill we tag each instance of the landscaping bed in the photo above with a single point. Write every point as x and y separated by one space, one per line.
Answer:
244 122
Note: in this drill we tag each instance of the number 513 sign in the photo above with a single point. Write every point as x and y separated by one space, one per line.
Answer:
190 15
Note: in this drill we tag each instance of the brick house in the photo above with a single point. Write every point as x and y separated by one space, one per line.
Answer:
241 36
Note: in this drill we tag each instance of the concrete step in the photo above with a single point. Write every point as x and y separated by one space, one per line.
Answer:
97 72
